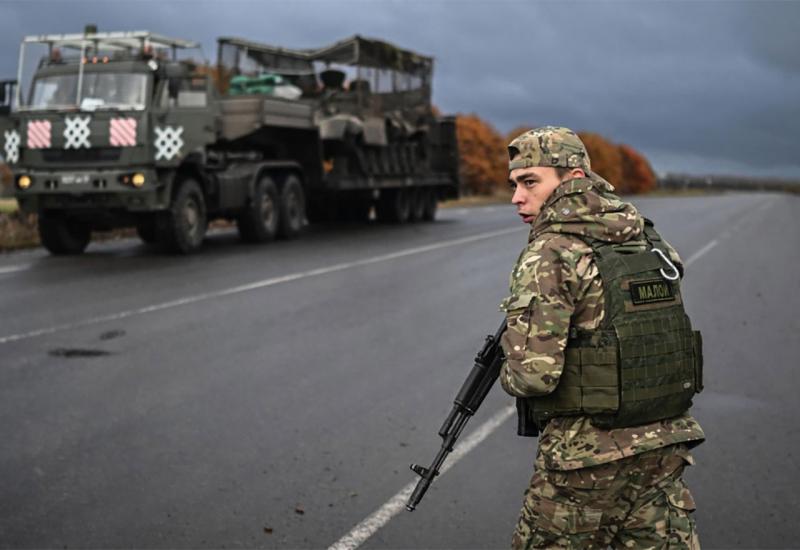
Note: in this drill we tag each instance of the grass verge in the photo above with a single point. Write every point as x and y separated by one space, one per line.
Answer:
17 230
8 206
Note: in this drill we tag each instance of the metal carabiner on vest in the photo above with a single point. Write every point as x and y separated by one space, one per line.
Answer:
674 269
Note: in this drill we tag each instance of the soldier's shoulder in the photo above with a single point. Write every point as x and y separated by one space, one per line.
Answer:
561 247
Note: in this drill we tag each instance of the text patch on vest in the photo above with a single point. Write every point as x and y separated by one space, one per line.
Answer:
651 291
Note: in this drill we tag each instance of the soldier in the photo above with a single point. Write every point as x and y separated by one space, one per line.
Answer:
601 357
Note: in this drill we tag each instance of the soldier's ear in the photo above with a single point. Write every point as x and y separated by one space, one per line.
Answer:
576 173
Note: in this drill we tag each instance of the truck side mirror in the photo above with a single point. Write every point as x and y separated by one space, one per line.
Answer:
173 87
7 89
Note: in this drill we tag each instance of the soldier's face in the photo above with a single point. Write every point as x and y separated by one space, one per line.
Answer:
532 187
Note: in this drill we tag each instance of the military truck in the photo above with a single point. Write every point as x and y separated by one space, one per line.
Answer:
124 129
6 96
7 88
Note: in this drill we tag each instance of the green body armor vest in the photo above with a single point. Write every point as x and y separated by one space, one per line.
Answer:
644 362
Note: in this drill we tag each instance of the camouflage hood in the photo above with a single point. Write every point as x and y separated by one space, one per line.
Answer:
588 207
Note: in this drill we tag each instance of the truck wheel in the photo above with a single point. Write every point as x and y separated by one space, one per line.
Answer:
183 226
393 206
61 236
417 208
258 221
147 230
431 203
292 208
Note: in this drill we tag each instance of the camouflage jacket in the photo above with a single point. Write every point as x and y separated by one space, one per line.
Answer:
555 285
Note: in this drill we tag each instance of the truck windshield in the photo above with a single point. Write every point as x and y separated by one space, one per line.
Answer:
98 91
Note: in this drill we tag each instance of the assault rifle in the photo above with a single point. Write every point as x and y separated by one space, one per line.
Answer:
477 385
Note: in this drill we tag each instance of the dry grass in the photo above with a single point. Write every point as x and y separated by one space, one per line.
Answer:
17 230
8 206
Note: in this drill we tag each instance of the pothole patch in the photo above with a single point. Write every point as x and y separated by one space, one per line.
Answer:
71 353
111 334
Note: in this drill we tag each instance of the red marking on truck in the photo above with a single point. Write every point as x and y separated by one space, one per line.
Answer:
122 132
39 134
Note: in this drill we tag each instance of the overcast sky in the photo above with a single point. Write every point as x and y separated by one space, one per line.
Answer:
697 86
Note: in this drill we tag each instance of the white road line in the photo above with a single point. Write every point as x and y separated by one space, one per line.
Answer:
380 517
256 285
14 268
752 213
697 255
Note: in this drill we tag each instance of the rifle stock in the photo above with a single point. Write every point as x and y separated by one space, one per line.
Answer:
476 387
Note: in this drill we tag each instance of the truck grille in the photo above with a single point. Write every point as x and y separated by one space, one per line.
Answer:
95 154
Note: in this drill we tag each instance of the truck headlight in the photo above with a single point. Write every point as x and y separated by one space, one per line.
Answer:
137 179
23 182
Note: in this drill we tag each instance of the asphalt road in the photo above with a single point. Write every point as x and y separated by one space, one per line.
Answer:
273 396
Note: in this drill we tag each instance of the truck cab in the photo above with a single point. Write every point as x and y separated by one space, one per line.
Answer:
97 134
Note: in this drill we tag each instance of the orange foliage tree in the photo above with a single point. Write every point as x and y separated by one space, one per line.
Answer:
637 174
622 165
484 161
605 156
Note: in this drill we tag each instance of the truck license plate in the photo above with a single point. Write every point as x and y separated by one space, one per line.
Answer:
75 179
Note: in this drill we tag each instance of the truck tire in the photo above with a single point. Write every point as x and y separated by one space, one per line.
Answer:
417 207
292 216
258 221
393 206
431 203
183 226
62 236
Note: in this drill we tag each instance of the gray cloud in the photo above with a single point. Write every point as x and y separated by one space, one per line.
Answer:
703 86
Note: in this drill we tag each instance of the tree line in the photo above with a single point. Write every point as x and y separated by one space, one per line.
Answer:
484 159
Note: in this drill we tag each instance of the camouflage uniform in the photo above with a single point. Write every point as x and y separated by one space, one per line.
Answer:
592 487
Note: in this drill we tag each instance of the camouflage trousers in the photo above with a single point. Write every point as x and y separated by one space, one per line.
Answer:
639 501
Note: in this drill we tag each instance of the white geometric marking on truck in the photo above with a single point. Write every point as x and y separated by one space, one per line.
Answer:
76 132
11 146
168 142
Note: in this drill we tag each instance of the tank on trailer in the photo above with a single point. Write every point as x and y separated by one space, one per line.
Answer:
370 103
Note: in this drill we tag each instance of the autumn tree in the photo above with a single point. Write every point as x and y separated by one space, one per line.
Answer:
637 173
605 156
484 162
